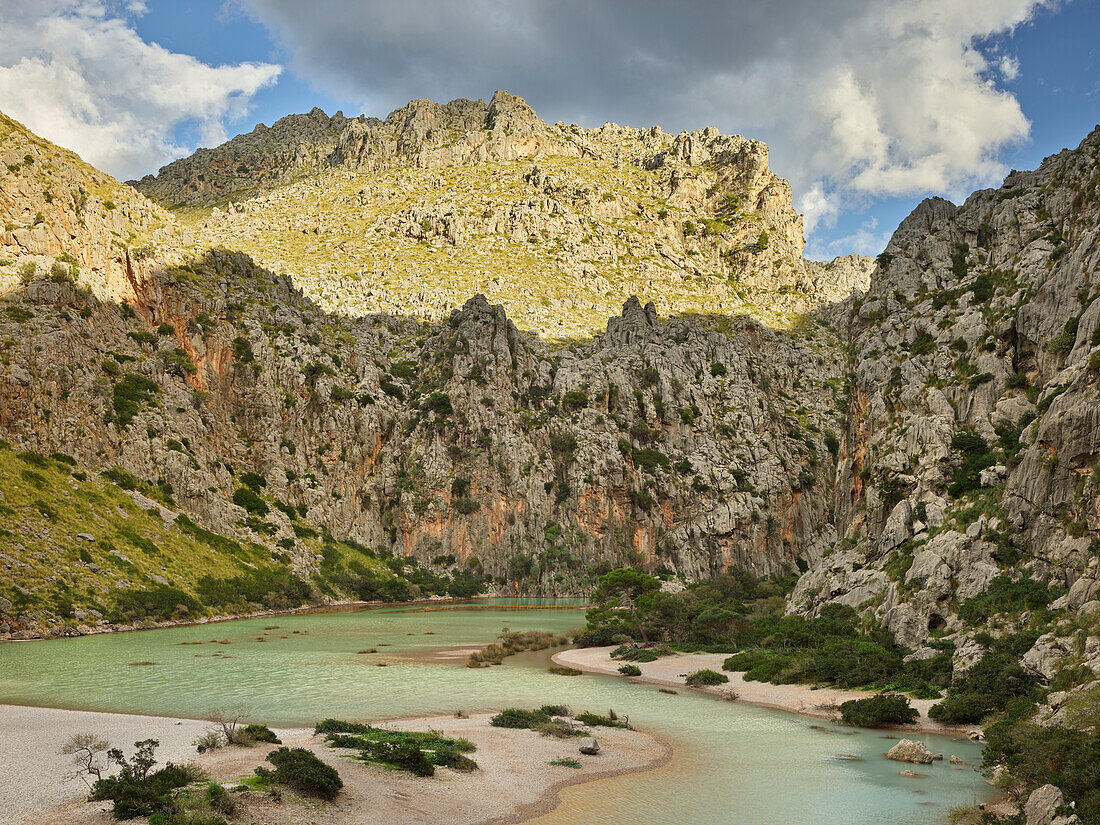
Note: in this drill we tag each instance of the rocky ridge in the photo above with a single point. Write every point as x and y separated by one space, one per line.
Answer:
291 147
557 223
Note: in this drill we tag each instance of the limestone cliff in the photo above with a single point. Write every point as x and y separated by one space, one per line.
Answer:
972 439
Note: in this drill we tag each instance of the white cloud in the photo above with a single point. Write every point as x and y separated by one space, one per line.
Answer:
864 241
858 99
76 72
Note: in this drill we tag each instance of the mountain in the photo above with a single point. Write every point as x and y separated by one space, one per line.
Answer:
414 394
558 224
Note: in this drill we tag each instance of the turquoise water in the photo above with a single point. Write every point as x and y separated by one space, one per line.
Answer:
733 764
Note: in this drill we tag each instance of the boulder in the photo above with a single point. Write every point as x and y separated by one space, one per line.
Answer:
1042 804
590 746
909 751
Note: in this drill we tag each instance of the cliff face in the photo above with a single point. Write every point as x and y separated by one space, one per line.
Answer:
675 445
972 439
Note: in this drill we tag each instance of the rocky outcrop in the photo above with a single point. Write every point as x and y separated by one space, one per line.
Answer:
54 206
1042 807
291 147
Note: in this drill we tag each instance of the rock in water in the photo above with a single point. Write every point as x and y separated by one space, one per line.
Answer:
909 751
590 746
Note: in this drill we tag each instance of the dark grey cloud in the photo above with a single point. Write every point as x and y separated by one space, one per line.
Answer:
857 98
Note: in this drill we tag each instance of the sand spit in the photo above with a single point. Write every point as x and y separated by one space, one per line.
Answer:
514 782
670 671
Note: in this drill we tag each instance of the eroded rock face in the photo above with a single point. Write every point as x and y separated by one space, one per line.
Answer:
977 337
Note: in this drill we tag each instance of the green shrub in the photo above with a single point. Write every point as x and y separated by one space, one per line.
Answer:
923 344
717 369
1007 595
705 676
137 790
977 457
178 362
1063 344
517 718
242 350
159 602
303 771
1034 756
987 687
415 751
130 394
438 403
245 497
649 460
259 733
594 720
253 481
878 711
575 400
630 670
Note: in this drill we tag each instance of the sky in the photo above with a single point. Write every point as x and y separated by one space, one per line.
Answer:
867 106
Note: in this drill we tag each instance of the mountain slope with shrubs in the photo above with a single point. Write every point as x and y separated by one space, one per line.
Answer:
916 462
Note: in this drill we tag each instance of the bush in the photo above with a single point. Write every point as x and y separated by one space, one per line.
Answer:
1005 595
879 710
130 394
1036 756
137 790
415 751
706 677
242 350
630 670
649 460
259 733
178 362
595 720
304 772
989 686
245 497
575 400
160 603
517 718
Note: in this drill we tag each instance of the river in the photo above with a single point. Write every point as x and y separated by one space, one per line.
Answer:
733 764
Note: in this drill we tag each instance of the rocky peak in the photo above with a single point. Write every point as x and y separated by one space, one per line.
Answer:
291 147
511 112
635 324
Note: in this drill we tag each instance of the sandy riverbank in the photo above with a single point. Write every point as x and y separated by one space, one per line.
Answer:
514 782
803 699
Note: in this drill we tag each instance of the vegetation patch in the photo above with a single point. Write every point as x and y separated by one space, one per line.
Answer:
416 752
881 710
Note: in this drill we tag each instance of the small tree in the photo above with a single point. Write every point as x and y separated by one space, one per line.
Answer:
85 749
227 723
140 763
624 588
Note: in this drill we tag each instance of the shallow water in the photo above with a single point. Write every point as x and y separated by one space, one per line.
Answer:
733 764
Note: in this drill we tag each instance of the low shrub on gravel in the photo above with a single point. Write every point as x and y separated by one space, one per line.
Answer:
303 771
